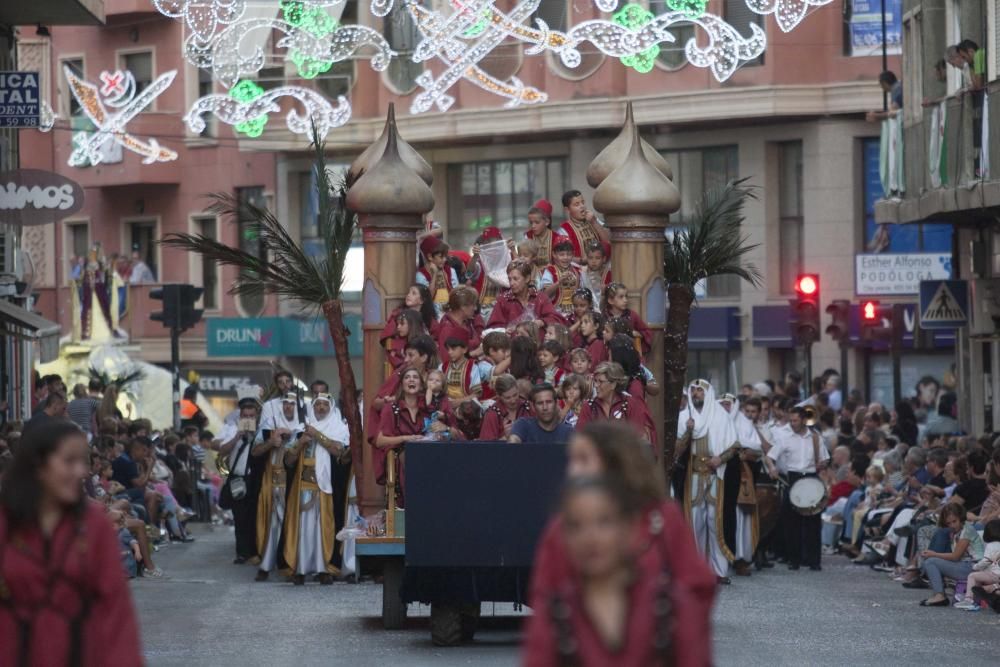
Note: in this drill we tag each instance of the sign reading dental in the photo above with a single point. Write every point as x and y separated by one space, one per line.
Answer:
36 197
20 103
276 337
888 274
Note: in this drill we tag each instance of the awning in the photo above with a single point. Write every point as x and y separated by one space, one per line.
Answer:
52 12
714 328
21 323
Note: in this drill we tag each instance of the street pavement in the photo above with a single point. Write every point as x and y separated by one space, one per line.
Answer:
208 611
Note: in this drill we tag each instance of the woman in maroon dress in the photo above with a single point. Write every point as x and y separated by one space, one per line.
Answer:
401 422
63 595
661 584
613 403
521 302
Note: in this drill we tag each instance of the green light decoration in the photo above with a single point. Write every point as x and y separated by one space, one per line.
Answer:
479 27
691 8
247 91
316 22
633 17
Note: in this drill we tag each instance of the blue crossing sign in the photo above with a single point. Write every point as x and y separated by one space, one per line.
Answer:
944 304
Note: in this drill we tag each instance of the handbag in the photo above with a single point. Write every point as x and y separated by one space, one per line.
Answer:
235 487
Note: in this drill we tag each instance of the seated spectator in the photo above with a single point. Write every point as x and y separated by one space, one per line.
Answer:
966 548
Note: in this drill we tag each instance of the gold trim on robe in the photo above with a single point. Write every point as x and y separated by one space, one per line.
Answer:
272 472
305 480
720 494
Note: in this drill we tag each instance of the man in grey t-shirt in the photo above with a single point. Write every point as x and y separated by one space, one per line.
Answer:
82 410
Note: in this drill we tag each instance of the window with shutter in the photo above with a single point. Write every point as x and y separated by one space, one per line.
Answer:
740 16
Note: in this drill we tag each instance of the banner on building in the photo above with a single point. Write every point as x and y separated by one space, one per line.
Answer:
895 274
865 27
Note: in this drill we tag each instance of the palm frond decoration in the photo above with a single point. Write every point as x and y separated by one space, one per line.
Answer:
121 382
714 244
283 267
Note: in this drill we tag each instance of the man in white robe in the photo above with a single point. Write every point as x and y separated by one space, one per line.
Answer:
309 519
280 429
707 441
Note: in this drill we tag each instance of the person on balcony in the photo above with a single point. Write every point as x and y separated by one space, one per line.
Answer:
894 89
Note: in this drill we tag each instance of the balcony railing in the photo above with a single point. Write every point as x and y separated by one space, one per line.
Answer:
949 150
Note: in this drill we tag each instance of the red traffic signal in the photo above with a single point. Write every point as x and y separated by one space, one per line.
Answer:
807 284
870 314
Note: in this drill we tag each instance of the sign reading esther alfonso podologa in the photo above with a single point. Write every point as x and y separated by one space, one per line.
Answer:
886 274
20 103
36 197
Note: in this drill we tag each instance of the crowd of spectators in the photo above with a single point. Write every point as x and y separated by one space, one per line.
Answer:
910 493
147 481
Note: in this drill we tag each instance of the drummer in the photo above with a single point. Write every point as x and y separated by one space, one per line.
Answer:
800 450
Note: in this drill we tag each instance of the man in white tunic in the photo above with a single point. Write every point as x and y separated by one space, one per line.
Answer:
745 416
281 428
309 520
707 441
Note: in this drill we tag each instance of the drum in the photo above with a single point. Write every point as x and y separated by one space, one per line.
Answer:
808 496
768 508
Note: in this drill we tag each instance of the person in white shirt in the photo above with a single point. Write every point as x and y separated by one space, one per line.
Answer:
745 418
235 442
803 455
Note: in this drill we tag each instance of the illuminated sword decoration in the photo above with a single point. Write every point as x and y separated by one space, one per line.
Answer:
111 115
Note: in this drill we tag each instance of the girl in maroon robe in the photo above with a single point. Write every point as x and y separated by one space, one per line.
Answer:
612 403
508 408
63 595
521 301
615 304
461 321
670 591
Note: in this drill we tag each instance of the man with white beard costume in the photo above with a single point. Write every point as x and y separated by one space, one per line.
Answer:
309 522
709 488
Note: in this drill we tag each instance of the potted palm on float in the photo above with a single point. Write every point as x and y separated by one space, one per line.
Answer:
284 268
711 245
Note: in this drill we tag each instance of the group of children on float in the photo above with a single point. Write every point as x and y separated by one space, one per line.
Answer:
479 346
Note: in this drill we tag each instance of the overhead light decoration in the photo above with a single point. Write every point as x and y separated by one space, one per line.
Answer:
247 107
787 13
110 108
227 39
202 17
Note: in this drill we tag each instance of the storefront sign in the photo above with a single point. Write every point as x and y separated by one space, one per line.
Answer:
892 274
20 102
277 336
36 197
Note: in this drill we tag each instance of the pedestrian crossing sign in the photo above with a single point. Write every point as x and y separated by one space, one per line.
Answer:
944 304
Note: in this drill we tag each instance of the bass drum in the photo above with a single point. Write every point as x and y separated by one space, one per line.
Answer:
808 496
768 508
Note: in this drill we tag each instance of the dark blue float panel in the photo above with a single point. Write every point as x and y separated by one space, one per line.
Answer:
479 504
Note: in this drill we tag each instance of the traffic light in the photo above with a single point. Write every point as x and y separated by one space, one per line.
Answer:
840 315
168 295
873 323
178 306
189 315
805 309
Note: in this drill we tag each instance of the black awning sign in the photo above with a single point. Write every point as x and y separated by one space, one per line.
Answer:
36 197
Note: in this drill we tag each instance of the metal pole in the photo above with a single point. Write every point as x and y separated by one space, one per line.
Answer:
807 380
885 60
897 350
175 359
844 386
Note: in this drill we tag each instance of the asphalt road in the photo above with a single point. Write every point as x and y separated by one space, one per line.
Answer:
210 612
